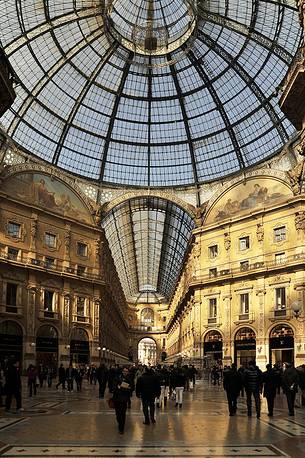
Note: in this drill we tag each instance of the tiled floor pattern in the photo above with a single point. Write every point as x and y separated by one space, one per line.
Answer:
59 424
144 451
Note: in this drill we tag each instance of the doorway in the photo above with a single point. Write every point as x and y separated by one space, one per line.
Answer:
147 351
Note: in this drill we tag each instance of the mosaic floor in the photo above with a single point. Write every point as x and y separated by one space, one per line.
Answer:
61 424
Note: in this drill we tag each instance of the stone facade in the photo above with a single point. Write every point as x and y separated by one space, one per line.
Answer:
58 283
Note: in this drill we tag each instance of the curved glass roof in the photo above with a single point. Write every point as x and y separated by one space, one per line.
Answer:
97 107
148 237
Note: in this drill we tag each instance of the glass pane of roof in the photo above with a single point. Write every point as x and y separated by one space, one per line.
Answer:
135 113
148 237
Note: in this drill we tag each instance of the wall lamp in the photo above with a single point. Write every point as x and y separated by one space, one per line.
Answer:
32 344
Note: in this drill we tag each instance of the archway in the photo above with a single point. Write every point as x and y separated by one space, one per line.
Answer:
147 351
244 346
281 344
47 347
212 347
79 346
11 342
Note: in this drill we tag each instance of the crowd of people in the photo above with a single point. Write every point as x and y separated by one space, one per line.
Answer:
156 385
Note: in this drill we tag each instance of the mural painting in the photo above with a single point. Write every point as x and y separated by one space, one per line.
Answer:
47 192
248 196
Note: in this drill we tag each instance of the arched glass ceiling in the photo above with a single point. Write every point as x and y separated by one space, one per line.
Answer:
97 109
148 237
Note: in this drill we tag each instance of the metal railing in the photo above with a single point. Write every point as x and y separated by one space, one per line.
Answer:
61 266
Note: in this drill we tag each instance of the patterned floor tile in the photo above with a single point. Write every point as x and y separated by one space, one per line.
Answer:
148 451
9 422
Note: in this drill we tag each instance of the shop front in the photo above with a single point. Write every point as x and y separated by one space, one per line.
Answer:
212 347
11 342
281 344
79 347
244 346
47 347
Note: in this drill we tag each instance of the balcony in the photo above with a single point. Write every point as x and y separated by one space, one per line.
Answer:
213 321
143 328
244 318
280 314
48 314
11 309
241 269
24 258
81 319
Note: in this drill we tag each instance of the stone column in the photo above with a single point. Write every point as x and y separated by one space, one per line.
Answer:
30 337
299 345
228 344
262 341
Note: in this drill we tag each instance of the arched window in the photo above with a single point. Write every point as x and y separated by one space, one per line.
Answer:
147 317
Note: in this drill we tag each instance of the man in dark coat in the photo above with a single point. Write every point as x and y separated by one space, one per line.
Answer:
148 388
61 377
270 381
13 385
232 384
253 386
122 389
290 380
102 377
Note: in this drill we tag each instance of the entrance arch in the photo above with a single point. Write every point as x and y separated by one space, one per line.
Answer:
11 342
212 347
244 346
281 344
79 346
47 347
147 351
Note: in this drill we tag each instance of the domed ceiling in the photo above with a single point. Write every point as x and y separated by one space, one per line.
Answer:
149 93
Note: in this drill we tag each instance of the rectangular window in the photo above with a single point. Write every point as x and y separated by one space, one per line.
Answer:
280 298
80 306
163 343
50 263
280 258
244 243
48 301
12 254
213 307
213 273
213 251
81 270
11 294
279 233
50 240
13 229
244 303
244 265
82 249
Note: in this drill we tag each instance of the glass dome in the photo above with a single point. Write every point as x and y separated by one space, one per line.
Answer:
165 93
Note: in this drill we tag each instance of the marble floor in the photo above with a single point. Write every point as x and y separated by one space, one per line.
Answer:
61 424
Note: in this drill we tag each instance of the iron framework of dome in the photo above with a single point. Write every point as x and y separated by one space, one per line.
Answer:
193 100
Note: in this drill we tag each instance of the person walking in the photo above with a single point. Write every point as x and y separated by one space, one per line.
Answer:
122 389
290 380
32 380
270 382
70 376
61 377
178 383
102 377
163 376
148 389
13 385
253 386
232 384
